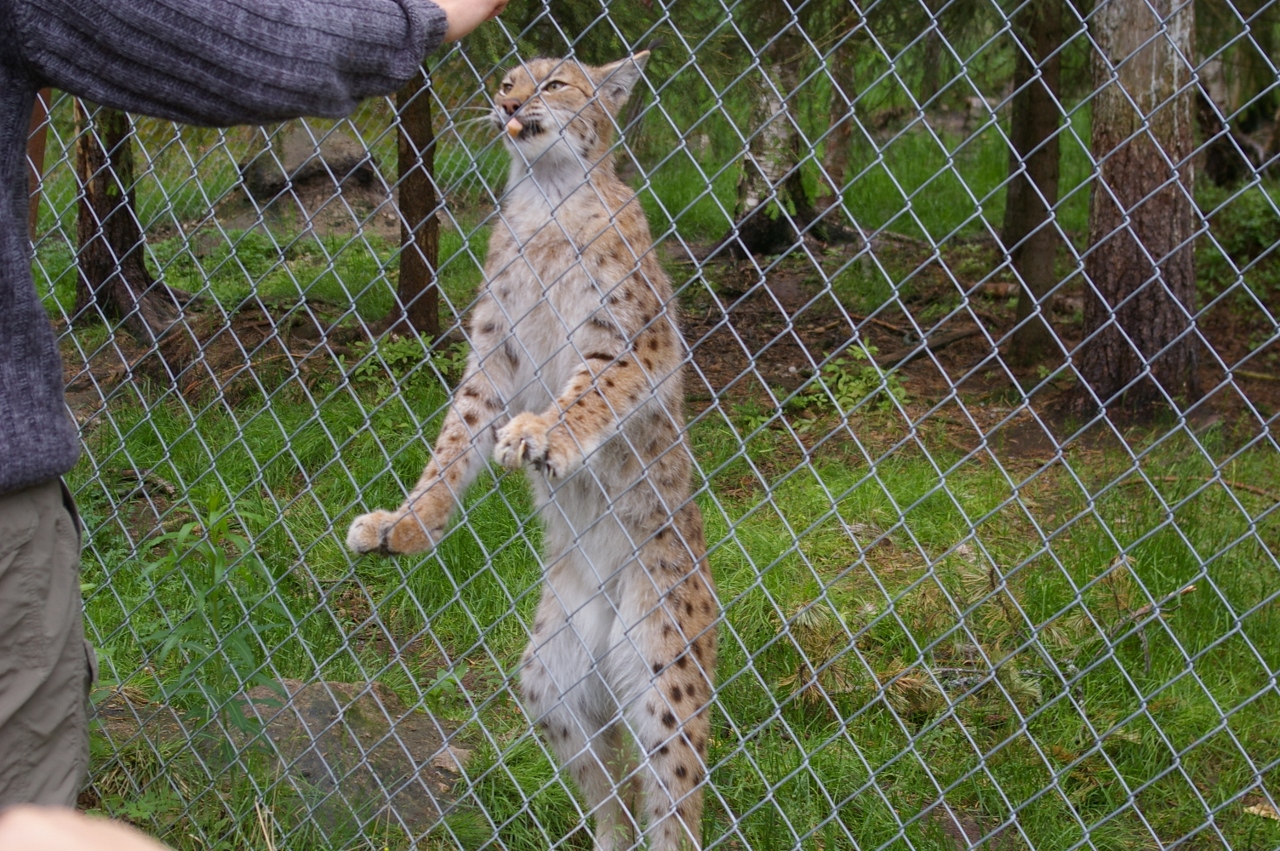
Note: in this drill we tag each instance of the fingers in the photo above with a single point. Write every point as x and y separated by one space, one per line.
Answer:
463 16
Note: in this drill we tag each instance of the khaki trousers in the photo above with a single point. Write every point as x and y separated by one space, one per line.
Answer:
46 666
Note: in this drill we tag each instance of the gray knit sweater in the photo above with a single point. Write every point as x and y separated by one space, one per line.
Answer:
214 62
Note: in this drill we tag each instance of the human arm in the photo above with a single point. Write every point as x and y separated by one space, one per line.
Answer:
228 61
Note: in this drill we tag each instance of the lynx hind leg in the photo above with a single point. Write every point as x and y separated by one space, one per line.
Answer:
564 694
672 637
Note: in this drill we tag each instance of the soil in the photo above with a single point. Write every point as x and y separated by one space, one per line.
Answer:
760 336
264 341
755 338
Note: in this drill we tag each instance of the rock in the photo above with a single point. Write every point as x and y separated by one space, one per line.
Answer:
294 161
1000 289
298 187
356 754
353 753
451 759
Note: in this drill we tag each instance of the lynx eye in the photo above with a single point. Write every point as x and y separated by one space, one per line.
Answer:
505 87
552 86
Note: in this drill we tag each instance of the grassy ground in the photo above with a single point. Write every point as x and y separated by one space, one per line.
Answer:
894 632
903 623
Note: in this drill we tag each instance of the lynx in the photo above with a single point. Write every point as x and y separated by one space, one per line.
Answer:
575 375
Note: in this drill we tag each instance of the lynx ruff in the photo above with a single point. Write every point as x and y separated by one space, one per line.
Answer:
575 374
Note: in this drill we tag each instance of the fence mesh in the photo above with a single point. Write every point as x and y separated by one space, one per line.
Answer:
981 305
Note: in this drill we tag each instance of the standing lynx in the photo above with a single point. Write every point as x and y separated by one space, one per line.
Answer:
575 374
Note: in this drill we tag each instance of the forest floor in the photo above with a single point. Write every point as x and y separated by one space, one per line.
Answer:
907 564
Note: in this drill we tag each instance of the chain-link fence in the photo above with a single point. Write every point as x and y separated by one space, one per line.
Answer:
981 307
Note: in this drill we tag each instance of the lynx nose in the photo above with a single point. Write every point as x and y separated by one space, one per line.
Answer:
508 105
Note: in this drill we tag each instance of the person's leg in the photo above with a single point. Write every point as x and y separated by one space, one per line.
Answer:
45 664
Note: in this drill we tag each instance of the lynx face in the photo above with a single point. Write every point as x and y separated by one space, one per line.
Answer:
561 108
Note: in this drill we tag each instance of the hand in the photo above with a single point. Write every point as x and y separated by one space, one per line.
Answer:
465 15
28 828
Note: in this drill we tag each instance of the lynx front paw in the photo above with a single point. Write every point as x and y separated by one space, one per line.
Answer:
390 533
521 441
528 439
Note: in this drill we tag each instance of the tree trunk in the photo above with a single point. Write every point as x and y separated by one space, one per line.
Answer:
774 210
112 256
835 222
1139 338
35 156
417 307
1029 233
764 224
835 159
931 67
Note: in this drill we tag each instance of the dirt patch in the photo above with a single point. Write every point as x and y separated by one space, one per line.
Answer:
258 346
756 337
963 831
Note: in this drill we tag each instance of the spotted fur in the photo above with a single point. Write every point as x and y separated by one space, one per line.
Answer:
575 375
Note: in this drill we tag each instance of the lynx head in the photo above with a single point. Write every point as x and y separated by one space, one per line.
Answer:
560 108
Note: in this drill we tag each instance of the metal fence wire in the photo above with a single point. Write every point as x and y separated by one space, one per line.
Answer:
981 308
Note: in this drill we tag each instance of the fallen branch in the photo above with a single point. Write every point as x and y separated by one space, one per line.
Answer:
1078 660
967 450
930 344
1241 486
147 481
1141 613
888 326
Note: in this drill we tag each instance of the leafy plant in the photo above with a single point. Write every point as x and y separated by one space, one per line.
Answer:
394 357
751 416
849 382
446 687
391 363
452 360
229 613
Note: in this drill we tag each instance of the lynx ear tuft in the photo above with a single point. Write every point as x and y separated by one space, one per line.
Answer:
616 80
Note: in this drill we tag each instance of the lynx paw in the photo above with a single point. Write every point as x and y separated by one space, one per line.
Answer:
528 439
388 533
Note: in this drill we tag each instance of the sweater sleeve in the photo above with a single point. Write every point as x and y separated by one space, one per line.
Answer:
227 62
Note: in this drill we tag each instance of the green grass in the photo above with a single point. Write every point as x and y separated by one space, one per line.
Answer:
844 703
909 180
1240 260
893 634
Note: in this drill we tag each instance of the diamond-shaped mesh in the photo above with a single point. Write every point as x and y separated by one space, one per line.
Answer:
975 590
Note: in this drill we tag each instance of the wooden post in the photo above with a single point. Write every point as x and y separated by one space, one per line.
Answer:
418 299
